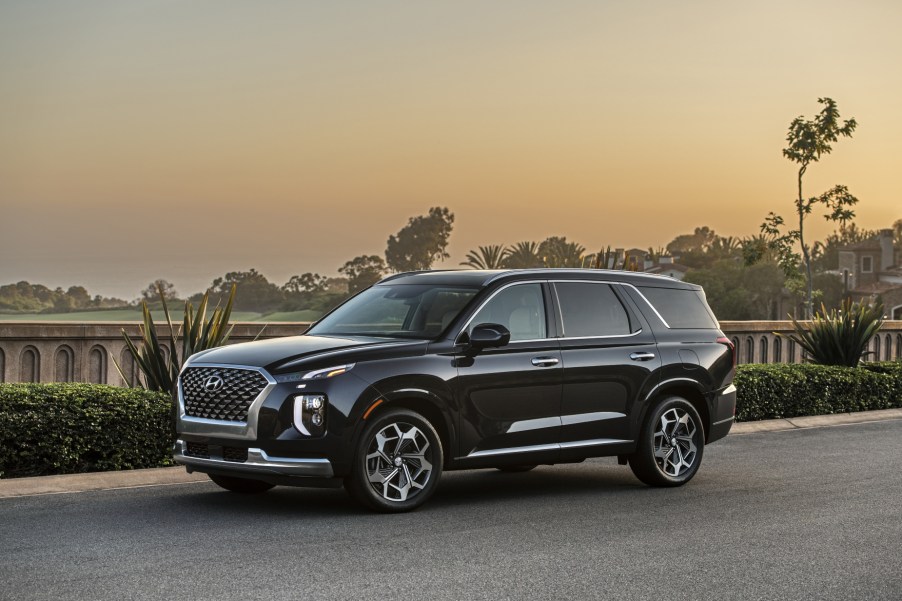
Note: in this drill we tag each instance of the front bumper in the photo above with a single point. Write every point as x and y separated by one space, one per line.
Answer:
258 463
723 413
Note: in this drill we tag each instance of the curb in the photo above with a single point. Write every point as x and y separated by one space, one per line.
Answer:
165 476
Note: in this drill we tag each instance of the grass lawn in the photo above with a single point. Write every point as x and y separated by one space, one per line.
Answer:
159 317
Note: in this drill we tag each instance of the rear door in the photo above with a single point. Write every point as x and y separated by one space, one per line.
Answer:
610 358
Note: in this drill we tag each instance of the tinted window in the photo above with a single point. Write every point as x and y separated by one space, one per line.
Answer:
591 310
519 308
415 311
680 308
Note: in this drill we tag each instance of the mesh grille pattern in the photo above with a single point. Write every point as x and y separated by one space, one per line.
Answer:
234 454
197 450
228 401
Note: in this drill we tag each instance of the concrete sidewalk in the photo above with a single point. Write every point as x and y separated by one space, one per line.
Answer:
48 485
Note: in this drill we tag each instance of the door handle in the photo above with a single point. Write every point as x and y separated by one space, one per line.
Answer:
642 356
545 361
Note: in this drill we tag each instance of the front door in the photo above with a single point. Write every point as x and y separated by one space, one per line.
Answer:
510 397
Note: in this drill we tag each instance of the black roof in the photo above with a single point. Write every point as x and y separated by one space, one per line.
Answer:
480 278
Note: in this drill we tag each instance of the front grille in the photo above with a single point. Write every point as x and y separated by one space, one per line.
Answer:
229 401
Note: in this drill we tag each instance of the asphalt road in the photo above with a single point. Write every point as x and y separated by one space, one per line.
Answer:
805 514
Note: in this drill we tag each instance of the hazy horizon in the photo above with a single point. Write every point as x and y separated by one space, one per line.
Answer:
180 141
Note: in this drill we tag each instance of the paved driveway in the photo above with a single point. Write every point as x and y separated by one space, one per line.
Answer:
806 514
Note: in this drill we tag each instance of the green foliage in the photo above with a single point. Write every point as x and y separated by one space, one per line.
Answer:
523 255
197 333
255 292
487 257
73 428
420 243
737 291
555 251
838 337
363 271
807 141
23 297
781 390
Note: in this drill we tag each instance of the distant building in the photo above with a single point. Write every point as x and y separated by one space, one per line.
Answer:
873 268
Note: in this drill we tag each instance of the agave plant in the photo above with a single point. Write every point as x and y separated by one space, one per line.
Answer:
160 369
838 338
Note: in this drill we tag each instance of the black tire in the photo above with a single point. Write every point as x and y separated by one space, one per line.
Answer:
673 429
516 468
243 486
408 457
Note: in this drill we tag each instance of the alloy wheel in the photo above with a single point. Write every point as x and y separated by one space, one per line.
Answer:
674 443
399 462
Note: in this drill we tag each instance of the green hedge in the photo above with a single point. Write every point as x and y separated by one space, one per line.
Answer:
72 428
780 390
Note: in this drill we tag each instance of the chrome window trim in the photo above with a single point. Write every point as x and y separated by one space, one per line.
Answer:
219 428
648 302
493 295
606 282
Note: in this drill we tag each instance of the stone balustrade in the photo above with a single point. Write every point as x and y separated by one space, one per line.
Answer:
83 352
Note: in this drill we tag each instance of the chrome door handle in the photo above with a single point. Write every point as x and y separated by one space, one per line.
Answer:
642 356
545 361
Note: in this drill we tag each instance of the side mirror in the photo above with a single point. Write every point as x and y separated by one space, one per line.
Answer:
489 335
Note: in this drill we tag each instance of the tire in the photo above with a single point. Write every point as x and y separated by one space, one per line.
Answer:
671 444
397 463
243 486
516 468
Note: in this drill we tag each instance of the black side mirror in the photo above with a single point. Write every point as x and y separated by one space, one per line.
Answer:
489 335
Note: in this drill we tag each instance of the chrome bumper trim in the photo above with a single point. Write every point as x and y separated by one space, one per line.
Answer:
258 462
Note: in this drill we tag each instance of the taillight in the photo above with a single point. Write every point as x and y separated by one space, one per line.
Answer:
729 343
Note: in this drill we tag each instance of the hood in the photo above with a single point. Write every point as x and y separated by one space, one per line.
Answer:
278 354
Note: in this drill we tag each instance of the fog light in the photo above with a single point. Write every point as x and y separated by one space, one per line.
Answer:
310 414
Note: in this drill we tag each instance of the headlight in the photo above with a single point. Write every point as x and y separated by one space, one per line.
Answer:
310 414
329 372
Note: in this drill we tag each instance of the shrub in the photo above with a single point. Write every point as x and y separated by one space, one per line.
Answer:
780 390
72 428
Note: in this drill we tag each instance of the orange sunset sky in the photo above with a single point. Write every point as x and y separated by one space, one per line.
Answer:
181 140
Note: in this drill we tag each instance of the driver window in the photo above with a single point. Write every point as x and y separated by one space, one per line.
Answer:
519 308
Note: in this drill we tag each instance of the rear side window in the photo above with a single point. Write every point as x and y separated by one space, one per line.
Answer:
681 308
591 310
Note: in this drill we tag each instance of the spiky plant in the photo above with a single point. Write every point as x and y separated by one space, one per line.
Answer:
838 338
487 257
197 333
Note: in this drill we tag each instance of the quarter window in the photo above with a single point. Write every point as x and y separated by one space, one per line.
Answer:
519 308
591 310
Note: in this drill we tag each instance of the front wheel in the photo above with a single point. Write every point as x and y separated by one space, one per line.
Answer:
397 463
671 444
241 485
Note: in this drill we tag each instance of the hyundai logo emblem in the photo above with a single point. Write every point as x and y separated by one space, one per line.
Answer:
213 383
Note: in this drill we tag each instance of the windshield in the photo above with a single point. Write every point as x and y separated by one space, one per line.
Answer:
402 310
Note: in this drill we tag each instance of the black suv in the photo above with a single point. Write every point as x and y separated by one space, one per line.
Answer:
443 370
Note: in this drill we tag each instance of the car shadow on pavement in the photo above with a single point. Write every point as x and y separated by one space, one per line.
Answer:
479 488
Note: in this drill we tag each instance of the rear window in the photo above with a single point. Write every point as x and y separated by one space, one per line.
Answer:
681 308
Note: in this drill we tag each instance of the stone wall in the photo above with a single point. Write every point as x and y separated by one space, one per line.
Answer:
82 352
61 351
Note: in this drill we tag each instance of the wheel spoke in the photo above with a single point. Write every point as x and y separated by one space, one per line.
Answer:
674 442
399 462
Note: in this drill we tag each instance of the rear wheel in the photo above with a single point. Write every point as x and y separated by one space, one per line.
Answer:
671 444
516 468
398 462
241 485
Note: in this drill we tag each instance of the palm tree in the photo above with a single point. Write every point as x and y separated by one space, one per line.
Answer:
487 257
523 255
557 252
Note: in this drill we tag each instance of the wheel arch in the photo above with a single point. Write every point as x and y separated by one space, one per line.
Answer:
684 388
